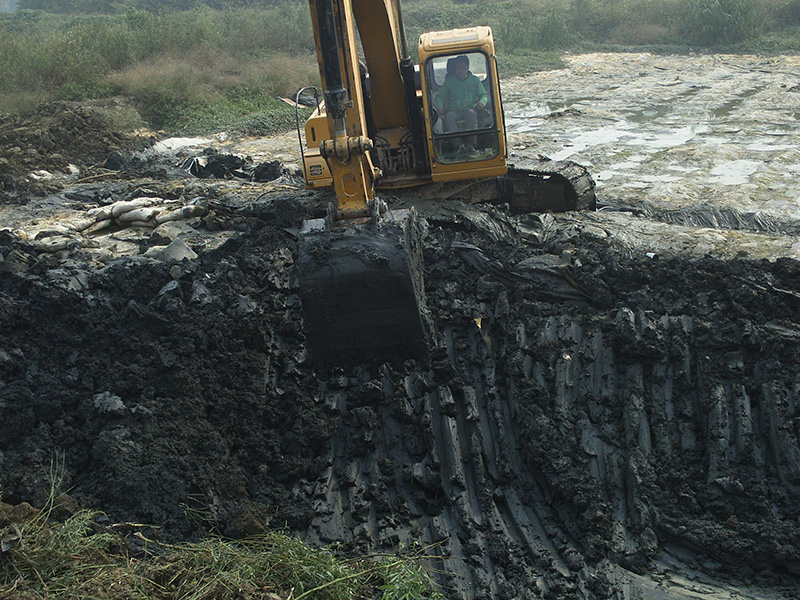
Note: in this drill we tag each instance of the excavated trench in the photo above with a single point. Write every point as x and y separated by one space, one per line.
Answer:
612 408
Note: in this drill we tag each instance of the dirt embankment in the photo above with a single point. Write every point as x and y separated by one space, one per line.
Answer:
558 448
56 138
594 422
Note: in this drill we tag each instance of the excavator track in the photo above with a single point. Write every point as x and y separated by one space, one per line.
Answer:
543 185
531 185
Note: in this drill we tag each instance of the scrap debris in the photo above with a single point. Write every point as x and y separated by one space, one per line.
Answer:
225 166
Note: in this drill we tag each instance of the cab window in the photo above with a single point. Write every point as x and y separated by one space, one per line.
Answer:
462 115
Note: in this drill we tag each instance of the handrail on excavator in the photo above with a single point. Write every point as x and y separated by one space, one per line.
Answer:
297 118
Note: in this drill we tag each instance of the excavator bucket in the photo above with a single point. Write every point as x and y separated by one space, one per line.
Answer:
362 292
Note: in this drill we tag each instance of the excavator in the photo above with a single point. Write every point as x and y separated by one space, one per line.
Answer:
385 124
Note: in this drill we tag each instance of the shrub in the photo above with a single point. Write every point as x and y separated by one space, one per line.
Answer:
789 12
594 19
210 90
165 88
545 27
718 22
231 52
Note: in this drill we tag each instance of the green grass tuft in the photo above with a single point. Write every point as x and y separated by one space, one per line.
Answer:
80 559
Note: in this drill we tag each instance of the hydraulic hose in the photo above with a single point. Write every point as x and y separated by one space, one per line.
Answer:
335 93
415 122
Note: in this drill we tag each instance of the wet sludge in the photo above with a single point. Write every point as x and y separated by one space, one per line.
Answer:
559 445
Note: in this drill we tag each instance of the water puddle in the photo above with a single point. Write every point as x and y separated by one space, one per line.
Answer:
605 135
731 105
769 146
521 125
735 172
521 118
663 140
177 143
650 113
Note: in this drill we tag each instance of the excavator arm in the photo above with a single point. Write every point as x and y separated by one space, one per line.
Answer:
360 270
379 128
347 151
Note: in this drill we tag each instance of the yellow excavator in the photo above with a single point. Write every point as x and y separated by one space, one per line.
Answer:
387 123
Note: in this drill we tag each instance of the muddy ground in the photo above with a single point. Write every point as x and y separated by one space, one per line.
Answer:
612 409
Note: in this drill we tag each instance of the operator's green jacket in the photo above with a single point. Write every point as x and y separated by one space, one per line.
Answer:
457 94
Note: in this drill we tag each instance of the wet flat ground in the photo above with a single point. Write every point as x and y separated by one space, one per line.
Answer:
689 136
675 131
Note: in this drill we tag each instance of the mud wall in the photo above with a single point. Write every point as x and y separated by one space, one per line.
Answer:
551 437
582 421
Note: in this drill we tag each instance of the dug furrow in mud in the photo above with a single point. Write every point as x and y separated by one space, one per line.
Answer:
590 424
611 408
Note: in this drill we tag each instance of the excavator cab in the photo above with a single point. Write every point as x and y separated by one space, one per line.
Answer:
466 137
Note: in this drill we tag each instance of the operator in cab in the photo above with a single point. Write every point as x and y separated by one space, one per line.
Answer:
462 94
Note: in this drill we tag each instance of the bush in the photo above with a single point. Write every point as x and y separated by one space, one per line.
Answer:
713 23
545 27
166 89
138 49
594 19
789 12
206 90
175 65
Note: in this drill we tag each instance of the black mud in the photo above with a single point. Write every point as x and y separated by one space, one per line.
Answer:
54 137
588 417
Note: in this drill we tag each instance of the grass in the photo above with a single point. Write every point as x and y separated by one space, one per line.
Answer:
202 91
79 559
185 72
520 63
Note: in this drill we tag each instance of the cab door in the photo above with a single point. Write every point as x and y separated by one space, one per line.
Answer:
463 116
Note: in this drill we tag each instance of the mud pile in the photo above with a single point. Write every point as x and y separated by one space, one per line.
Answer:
54 137
593 423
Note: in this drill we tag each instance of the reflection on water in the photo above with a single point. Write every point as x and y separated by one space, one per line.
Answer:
769 146
649 113
526 116
730 105
662 140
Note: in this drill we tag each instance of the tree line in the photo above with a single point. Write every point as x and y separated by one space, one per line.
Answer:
118 6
